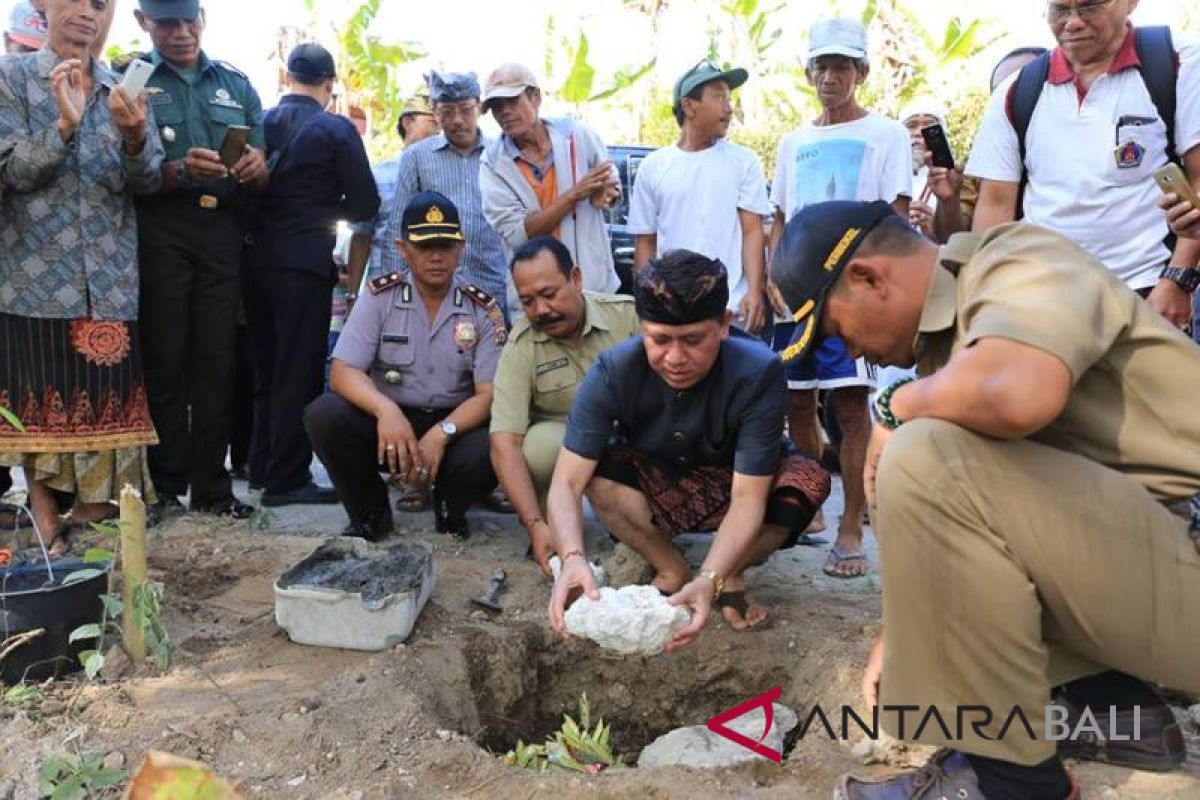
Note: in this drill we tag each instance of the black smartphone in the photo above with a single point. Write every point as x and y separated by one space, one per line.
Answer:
938 145
234 145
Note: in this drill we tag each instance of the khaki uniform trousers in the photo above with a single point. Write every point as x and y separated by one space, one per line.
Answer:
542 442
1011 567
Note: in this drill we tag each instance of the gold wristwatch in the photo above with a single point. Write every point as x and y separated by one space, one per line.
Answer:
718 581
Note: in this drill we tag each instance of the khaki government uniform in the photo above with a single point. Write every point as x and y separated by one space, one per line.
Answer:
538 375
1013 566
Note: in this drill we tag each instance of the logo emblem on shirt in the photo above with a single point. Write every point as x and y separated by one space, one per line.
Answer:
223 94
1129 155
464 334
434 216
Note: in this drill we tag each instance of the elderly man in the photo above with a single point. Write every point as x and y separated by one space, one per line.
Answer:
412 382
1072 143
681 429
1029 538
549 351
448 163
847 153
190 255
547 176
918 113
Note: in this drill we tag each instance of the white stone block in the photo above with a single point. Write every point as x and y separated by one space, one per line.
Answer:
632 619
697 746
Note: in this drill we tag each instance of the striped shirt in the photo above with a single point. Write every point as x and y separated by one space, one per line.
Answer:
377 227
434 165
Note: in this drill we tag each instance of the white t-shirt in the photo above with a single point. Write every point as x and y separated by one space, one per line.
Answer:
866 159
691 200
1076 186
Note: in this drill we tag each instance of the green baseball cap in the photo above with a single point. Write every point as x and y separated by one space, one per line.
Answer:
706 72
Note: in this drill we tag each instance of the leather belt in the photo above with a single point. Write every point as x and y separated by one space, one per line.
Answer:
208 202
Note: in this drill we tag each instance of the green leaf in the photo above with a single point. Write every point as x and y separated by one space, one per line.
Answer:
11 419
92 662
92 631
868 13
113 605
81 575
23 693
103 778
578 85
73 788
99 555
625 78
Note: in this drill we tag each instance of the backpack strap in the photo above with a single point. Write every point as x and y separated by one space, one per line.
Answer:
1160 70
1022 100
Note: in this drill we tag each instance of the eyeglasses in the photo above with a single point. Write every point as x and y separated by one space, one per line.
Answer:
1058 13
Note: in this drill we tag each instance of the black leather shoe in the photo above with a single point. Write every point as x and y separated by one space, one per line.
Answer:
230 508
947 775
372 529
166 507
307 495
1160 747
448 519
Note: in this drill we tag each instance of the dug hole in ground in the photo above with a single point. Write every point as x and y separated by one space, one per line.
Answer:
429 718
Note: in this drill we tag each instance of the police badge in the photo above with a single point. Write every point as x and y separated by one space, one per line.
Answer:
464 335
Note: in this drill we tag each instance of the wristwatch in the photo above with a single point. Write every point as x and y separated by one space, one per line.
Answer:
448 428
1187 278
718 581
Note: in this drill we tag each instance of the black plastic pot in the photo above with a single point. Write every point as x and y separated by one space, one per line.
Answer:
29 600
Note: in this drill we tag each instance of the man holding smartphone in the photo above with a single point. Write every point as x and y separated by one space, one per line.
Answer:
190 251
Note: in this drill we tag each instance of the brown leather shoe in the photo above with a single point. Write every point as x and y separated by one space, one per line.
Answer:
946 776
1160 747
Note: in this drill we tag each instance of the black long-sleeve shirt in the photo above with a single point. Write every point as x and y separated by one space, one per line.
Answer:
322 176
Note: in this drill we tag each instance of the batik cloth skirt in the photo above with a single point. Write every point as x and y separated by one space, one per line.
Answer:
76 387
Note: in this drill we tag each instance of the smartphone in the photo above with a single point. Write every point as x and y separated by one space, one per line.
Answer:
938 145
234 145
136 75
1172 180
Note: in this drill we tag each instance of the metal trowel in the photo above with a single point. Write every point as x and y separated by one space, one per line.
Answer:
495 585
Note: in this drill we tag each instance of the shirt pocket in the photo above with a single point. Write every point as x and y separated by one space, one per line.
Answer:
1138 145
555 386
223 116
171 130
396 351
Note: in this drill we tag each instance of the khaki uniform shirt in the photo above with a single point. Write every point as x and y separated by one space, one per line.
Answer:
538 374
1133 407
418 362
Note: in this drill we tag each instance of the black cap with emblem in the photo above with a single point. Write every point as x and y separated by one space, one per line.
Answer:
170 9
311 63
430 216
816 246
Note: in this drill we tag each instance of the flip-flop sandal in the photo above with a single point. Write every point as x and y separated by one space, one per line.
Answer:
738 601
839 558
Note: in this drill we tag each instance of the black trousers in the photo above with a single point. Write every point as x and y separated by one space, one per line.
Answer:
5 480
189 260
344 437
243 399
288 313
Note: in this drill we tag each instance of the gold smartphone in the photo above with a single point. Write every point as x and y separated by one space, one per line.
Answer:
236 139
1172 180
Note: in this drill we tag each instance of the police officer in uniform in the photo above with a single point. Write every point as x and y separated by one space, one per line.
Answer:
412 382
190 247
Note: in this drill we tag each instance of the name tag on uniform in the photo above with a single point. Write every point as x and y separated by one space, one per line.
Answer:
395 338
155 96
550 366
224 99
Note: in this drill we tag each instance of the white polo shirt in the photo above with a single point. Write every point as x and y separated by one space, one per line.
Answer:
1087 180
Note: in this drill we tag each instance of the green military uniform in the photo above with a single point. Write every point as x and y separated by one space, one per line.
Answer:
1064 551
190 250
538 375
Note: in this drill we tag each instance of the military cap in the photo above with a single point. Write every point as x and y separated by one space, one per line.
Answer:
170 9
452 87
429 216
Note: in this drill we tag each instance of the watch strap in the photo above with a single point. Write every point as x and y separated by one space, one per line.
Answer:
1187 278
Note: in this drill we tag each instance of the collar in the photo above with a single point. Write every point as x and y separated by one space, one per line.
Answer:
202 63
592 320
1061 70
441 142
514 152
941 301
299 99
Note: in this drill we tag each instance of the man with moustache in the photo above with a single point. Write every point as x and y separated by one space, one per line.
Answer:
412 382
550 349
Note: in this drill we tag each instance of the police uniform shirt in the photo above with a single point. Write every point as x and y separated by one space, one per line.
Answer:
732 418
539 374
195 111
1136 379
414 363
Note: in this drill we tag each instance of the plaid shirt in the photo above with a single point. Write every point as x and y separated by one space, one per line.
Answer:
68 235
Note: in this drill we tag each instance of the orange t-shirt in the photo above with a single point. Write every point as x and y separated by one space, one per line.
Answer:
545 190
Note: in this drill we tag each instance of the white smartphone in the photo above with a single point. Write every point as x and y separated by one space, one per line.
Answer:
136 75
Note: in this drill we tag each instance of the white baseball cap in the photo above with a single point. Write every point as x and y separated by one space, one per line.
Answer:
839 36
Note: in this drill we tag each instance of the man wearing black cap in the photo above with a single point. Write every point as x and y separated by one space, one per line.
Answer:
681 429
1033 493
412 382
190 249
321 174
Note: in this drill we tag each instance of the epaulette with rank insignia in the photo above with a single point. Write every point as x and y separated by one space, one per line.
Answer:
122 62
491 308
385 282
227 66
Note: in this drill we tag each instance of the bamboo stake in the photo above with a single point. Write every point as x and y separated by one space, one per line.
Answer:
133 566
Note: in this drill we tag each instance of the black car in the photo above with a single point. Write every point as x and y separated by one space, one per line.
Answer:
627 159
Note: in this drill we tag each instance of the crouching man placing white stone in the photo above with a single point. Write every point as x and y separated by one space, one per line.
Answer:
681 429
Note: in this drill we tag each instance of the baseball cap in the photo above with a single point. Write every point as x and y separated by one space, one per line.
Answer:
817 244
705 72
27 26
451 87
508 80
837 36
429 216
311 62
170 9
